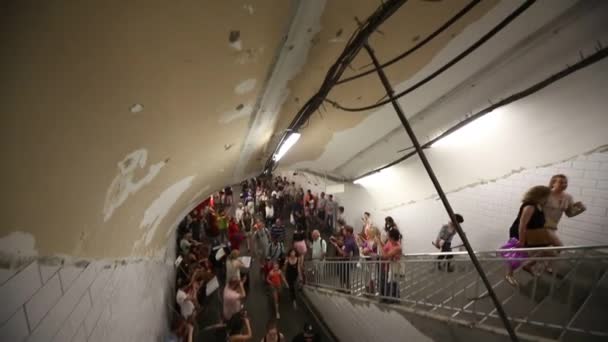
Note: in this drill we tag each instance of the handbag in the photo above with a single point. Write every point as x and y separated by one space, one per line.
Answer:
513 257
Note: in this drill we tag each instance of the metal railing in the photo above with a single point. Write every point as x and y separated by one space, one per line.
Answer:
557 305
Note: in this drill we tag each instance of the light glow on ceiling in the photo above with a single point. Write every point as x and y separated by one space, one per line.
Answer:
291 140
473 133
369 179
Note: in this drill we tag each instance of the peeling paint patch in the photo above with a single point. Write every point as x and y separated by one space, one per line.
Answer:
238 46
245 86
124 184
136 108
234 40
249 55
248 8
18 244
161 206
231 115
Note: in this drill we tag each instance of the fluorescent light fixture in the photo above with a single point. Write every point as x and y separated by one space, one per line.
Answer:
369 179
472 133
289 142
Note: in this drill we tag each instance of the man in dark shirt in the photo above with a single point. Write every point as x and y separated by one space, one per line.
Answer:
195 227
277 231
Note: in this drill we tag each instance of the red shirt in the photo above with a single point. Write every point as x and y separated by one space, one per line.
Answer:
234 235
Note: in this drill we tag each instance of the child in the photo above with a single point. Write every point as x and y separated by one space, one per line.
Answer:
273 279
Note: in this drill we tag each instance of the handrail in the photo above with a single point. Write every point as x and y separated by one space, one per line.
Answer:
528 249
450 287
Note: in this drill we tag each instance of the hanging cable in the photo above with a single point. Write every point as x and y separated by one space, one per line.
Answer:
423 42
352 48
597 56
521 9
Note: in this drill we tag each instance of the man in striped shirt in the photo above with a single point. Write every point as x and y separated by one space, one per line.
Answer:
277 231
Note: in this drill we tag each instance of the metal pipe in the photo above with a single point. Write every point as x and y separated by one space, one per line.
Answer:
444 200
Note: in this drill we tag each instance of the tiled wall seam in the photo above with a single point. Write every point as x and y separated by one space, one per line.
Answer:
111 279
27 286
67 321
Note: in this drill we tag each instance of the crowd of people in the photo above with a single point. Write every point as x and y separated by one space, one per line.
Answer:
218 241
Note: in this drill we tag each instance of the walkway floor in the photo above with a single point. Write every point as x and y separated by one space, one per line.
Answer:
260 308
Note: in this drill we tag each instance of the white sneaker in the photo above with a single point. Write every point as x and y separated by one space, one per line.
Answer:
278 315
295 305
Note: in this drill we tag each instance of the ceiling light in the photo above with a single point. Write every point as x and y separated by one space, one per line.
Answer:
472 133
289 142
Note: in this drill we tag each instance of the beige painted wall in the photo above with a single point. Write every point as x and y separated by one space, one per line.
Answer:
71 72
85 176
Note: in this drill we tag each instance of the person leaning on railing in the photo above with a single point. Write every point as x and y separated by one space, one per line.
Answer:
348 251
369 251
391 251
318 247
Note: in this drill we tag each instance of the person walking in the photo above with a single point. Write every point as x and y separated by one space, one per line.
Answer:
443 242
293 272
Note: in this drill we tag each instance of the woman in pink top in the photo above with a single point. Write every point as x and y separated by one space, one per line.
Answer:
391 251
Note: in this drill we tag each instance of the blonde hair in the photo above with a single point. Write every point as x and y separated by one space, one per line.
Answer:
373 232
234 254
537 194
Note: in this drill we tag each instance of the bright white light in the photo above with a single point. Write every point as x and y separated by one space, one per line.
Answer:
289 142
473 133
368 180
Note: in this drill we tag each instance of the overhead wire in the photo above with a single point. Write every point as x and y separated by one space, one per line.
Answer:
420 44
600 54
506 21
354 45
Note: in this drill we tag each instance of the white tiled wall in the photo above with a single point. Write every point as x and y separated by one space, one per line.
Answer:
489 208
97 301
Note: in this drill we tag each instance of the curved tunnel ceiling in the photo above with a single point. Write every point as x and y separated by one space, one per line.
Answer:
118 117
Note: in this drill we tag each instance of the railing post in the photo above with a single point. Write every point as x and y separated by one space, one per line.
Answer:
444 200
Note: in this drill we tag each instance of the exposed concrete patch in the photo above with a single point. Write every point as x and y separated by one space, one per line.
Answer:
306 21
249 55
249 8
245 86
17 246
136 108
124 185
234 40
155 213
231 115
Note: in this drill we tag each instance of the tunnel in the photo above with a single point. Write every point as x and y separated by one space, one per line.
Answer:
123 120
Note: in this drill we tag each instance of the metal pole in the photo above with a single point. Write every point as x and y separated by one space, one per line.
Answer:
444 200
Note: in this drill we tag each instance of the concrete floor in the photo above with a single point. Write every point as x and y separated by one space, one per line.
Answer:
259 306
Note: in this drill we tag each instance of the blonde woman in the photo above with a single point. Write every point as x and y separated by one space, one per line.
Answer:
233 267
558 203
529 226
369 251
